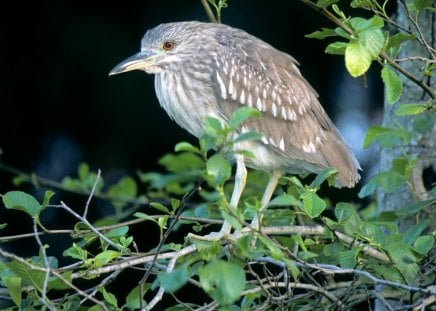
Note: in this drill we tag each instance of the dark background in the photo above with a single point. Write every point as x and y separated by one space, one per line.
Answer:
59 107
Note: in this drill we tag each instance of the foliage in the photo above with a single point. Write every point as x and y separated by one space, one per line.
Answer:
309 254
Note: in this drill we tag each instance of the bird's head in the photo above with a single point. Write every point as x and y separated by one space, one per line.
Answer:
162 47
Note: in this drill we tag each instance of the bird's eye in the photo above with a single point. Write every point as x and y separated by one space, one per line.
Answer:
168 45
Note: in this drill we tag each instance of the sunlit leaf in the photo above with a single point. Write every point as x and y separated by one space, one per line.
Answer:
411 109
357 58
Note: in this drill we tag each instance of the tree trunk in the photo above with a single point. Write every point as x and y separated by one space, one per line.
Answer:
425 146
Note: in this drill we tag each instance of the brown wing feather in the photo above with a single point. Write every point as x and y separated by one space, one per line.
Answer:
250 72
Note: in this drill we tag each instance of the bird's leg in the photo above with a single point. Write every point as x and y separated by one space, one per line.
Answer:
240 181
269 190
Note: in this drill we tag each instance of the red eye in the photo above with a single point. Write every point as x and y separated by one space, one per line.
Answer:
168 45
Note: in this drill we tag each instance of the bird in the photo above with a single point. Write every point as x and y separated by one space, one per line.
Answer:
206 69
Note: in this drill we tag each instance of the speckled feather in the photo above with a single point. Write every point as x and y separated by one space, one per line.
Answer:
214 69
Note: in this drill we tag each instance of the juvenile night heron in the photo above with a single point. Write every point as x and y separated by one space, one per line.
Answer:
206 69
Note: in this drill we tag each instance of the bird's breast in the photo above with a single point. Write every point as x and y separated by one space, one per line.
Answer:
186 100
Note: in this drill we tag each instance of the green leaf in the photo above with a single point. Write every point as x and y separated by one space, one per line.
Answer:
117 232
212 126
105 257
423 4
145 216
274 250
388 180
347 258
322 34
414 208
241 115
13 284
133 298
125 188
423 123
223 281
393 84
338 11
404 260
22 201
182 162
185 146
174 280
285 200
108 297
47 196
386 137
325 3
373 40
345 211
58 284
251 135
411 109
76 252
326 173
397 39
357 58
33 277
175 204
313 205
412 234
423 244
404 165
365 4
160 207
218 169
336 48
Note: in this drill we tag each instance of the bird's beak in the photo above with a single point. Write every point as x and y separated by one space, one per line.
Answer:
139 61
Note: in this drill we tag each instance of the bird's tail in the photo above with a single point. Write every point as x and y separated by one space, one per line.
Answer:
339 155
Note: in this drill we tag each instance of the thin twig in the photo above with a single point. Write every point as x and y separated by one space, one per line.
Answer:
91 227
11 238
107 280
79 291
209 11
44 299
91 194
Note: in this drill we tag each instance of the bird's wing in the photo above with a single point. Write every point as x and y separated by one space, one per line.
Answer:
249 72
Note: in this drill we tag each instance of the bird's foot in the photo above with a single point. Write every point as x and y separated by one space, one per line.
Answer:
213 236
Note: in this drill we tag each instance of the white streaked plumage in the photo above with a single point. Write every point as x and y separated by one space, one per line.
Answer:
214 69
